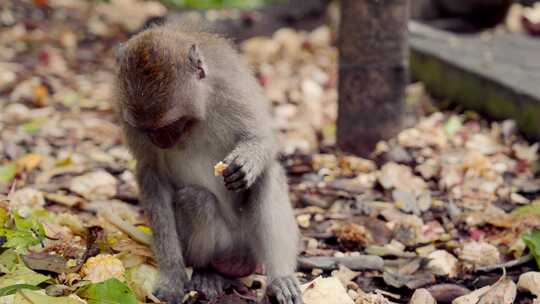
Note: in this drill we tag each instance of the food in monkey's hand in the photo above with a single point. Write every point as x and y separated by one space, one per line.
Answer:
219 168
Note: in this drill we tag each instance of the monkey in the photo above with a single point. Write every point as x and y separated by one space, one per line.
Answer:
186 100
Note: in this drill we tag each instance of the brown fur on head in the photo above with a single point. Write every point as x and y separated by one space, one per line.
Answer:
161 83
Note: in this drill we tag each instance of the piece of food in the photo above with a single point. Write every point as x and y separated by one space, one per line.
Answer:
219 168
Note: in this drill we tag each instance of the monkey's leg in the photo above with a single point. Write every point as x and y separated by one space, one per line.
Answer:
157 200
276 239
202 233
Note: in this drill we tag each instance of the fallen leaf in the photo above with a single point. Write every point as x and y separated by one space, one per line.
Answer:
325 291
443 263
532 240
480 254
530 281
95 185
126 226
102 267
142 279
422 296
371 298
29 162
46 262
502 292
9 290
21 274
345 275
473 297
7 172
109 291
452 125
26 199
25 296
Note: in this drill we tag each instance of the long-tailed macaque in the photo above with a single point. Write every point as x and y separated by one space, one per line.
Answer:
187 101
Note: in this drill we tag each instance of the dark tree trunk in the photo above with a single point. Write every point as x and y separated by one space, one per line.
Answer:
373 72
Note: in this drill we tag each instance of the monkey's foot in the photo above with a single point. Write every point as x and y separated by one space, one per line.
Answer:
286 290
169 294
208 283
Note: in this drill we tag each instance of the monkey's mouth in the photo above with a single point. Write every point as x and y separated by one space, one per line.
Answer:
168 136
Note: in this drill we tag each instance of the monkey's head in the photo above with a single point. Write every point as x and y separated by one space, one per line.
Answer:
162 86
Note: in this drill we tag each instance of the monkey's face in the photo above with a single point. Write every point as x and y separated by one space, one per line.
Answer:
163 87
167 122
164 126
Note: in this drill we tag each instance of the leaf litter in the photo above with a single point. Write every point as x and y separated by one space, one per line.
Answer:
433 215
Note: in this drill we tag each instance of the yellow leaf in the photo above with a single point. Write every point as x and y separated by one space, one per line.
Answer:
40 95
144 229
29 162
103 267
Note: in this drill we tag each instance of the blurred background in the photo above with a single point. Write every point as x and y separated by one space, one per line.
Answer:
407 129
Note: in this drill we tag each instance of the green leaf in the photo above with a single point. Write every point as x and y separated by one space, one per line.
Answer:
3 217
531 209
19 240
25 296
28 232
532 239
8 260
22 275
453 125
32 127
29 224
108 292
7 172
8 290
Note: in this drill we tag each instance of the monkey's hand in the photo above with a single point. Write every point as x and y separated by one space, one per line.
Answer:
286 290
241 172
170 290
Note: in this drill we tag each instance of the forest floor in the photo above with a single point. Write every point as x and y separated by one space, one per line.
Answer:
449 204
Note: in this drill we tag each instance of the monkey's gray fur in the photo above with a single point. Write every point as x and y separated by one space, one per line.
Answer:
195 216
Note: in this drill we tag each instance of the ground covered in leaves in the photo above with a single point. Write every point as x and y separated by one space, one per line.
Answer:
446 208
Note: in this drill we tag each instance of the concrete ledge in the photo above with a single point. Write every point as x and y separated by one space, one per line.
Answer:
498 77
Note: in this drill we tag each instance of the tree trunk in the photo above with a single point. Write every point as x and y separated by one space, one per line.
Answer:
373 72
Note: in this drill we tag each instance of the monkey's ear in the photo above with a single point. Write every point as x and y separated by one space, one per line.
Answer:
119 52
196 60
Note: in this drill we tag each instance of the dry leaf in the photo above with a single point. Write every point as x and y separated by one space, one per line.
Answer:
473 297
95 185
325 291
502 292
344 274
422 296
480 254
103 267
530 281
443 263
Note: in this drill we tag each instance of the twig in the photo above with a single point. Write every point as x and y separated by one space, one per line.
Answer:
513 263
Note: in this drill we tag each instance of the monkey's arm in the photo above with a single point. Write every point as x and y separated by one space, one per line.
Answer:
247 161
157 196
